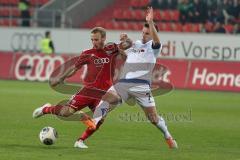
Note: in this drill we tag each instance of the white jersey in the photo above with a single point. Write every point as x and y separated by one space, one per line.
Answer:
140 61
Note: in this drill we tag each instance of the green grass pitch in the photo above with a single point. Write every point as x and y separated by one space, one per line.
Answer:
205 124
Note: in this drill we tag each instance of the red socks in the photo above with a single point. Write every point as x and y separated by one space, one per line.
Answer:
53 109
88 132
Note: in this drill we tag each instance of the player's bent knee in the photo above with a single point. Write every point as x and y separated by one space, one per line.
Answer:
153 119
111 97
154 122
151 115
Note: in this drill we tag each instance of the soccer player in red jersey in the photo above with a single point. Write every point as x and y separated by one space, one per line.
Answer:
100 68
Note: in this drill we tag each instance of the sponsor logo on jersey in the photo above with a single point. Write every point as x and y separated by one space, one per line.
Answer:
140 50
101 61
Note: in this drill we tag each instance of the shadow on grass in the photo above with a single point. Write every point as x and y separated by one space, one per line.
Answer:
32 146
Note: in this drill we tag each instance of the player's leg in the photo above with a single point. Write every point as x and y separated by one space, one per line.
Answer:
76 103
65 108
63 111
114 96
147 103
105 105
159 122
88 132
145 99
59 110
156 120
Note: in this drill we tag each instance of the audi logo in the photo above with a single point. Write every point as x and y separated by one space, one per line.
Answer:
101 60
39 68
26 42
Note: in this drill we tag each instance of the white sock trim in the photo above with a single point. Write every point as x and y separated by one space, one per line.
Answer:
101 111
163 127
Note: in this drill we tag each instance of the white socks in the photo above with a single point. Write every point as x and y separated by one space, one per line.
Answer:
103 108
162 126
101 111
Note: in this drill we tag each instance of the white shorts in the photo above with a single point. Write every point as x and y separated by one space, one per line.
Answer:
140 92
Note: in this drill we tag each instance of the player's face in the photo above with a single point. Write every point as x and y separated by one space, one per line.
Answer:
97 40
146 35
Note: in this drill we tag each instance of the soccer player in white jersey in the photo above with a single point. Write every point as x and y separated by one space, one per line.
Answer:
135 79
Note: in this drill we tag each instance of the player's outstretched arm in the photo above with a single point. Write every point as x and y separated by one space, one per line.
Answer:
68 73
77 63
153 31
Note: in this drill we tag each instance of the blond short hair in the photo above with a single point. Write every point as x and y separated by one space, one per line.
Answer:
100 30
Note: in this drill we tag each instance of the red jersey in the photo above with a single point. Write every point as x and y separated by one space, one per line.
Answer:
99 68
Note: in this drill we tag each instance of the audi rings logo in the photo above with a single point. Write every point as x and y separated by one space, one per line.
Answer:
101 60
36 67
26 42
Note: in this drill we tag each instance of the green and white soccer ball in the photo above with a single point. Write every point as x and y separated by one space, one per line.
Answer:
48 135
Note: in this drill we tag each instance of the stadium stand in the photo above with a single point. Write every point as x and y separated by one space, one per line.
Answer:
170 15
130 14
10 14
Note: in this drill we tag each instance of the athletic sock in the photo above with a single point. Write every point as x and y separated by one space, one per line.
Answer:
163 127
101 111
53 109
87 120
88 132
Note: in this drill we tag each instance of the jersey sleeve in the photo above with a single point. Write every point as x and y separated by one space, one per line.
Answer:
156 48
83 59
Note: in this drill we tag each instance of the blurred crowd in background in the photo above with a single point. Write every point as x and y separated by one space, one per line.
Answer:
204 16
212 14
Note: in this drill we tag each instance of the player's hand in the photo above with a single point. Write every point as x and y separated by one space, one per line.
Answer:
125 44
123 36
149 16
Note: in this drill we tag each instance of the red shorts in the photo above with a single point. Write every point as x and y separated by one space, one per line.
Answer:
86 97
